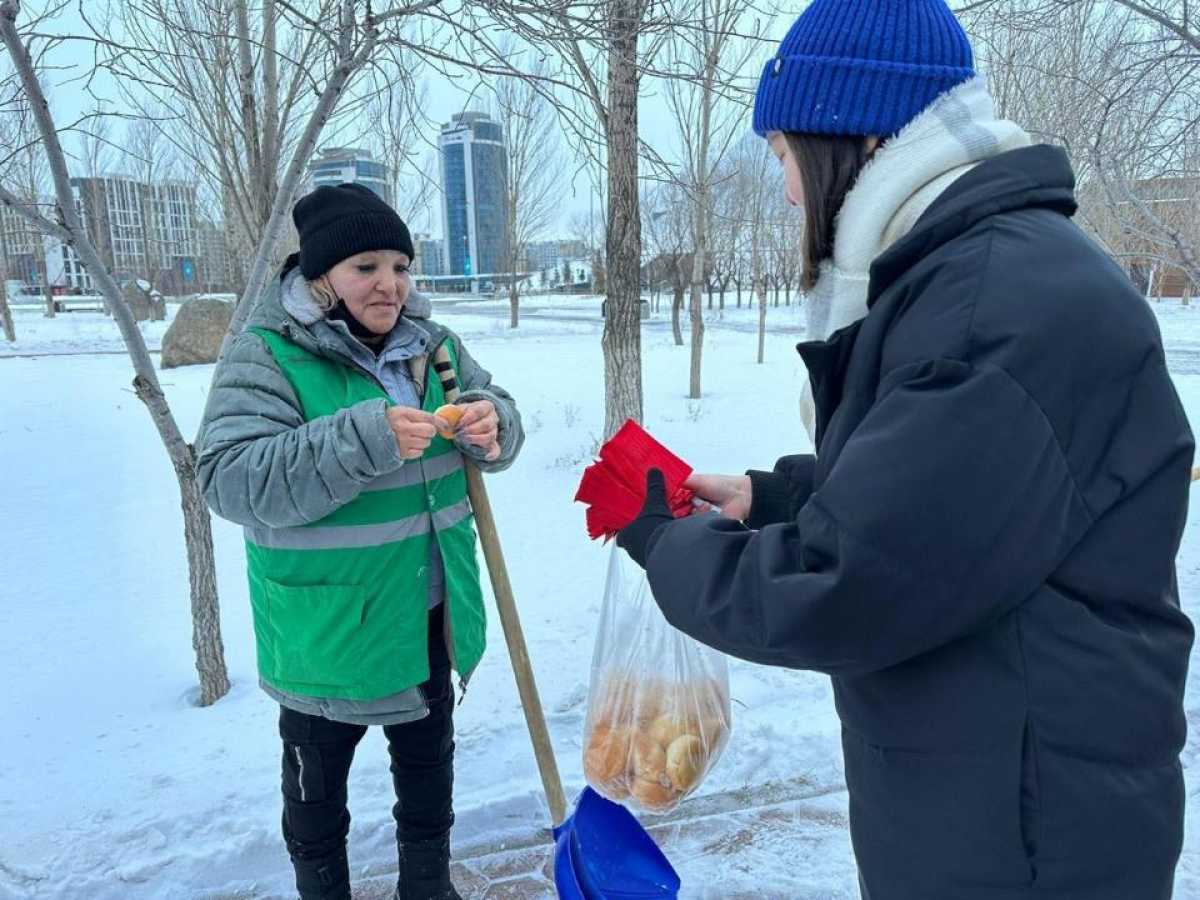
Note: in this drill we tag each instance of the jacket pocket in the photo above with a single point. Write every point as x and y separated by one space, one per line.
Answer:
314 632
937 825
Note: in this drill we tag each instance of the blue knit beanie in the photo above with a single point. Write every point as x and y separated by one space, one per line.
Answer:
864 67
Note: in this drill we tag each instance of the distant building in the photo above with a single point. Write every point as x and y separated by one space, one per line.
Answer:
338 165
430 252
216 270
65 270
543 255
141 230
473 167
22 250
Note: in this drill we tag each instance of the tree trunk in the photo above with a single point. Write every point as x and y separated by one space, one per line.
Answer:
697 292
202 574
47 290
721 297
622 340
697 318
676 309
255 280
6 319
758 287
514 301
762 317
197 534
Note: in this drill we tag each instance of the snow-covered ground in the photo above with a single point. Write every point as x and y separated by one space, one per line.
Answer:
113 785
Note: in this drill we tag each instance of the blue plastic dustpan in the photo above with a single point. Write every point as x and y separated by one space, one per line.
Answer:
603 853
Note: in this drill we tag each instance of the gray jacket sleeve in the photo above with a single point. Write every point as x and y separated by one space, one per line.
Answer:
476 384
260 464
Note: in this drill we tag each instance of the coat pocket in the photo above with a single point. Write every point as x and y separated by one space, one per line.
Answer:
314 633
937 826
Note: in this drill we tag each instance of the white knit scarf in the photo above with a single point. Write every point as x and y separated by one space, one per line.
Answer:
908 172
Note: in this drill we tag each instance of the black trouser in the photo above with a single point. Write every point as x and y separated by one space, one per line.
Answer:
317 753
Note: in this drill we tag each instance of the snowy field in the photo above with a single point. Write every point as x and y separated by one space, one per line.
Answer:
113 785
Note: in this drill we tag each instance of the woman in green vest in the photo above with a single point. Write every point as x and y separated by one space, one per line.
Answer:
320 439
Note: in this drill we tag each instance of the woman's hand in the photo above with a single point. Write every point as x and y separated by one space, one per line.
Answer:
414 430
732 493
480 425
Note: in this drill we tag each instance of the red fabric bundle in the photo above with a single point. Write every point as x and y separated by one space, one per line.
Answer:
614 487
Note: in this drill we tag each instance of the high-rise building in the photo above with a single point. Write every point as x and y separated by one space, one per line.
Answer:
474 166
337 165
429 259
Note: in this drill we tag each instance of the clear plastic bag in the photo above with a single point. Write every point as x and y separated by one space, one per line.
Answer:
658 703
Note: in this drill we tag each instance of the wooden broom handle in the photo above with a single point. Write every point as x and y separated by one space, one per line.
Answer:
531 703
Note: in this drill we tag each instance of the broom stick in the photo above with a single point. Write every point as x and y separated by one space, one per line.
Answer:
514 635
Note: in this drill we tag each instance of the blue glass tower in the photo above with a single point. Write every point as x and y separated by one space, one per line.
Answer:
474 169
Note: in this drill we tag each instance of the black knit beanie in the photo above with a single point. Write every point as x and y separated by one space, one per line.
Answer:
337 221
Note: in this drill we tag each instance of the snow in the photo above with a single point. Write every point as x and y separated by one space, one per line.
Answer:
115 786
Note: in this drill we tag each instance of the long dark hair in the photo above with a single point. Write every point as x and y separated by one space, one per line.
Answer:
829 166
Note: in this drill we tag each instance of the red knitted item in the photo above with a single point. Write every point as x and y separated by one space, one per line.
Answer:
614 487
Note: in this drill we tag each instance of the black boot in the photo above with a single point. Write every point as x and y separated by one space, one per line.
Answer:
425 871
326 878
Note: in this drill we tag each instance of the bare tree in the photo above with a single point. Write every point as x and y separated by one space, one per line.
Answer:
6 319
622 340
671 232
532 177
660 241
707 96
600 60
1116 84
96 151
94 158
254 91
219 70
1173 17
756 187
25 174
398 124
150 160
206 635
7 146
728 228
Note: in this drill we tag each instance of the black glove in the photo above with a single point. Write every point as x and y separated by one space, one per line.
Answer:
638 537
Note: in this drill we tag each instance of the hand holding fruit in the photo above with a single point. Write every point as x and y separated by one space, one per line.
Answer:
476 422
